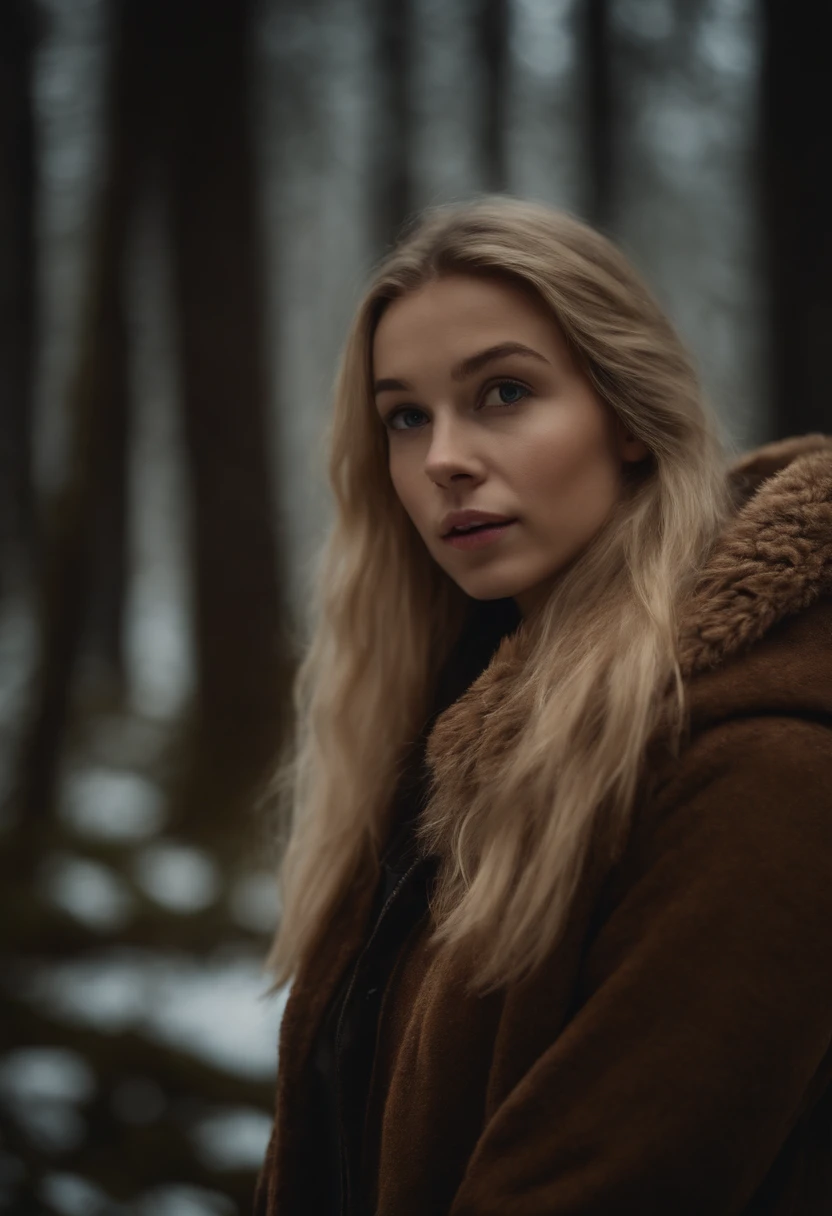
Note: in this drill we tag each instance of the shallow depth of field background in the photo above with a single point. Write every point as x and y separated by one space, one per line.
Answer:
191 195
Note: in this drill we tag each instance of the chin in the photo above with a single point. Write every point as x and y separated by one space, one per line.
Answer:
483 596
492 588
503 584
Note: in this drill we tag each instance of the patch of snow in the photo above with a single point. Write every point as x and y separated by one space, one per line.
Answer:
185 1201
90 892
107 993
253 902
233 1139
71 1195
217 1011
38 1073
112 805
178 877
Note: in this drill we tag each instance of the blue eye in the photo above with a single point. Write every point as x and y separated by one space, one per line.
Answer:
397 420
509 393
409 418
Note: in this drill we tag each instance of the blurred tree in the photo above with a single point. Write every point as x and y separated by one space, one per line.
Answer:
493 31
797 201
20 22
176 119
391 171
128 138
203 96
178 90
83 562
596 54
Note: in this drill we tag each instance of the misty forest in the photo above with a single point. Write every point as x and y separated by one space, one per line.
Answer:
192 193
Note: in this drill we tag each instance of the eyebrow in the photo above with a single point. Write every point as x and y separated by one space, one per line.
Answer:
468 367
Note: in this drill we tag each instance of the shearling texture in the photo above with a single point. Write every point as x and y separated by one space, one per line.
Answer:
673 1054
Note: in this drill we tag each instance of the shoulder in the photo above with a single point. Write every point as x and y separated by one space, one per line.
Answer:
758 760
787 672
753 769
735 847
748 800
760 737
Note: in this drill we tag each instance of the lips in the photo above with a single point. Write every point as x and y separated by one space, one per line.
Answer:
481 536
466 531
460 523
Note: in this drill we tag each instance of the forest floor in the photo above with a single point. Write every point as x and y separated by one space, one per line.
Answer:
139 1048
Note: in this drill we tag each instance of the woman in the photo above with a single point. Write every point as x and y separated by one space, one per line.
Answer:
557 896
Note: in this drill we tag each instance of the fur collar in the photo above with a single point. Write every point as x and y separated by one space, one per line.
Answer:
773 559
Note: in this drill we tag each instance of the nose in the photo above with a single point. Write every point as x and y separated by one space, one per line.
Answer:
451 455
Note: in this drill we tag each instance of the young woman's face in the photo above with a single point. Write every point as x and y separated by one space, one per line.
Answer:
487 411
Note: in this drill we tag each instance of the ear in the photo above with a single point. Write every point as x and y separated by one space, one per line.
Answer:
631 448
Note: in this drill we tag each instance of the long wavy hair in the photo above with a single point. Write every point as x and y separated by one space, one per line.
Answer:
601 662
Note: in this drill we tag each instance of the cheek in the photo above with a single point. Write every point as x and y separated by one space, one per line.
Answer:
399 480
575 473
406 485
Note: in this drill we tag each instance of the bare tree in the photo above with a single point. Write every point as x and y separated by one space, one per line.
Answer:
797 199
177 104
596 53
493 35
86 520
19 28
179 91
218 275
391 172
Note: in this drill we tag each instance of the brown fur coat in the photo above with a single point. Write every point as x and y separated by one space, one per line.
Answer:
675 1054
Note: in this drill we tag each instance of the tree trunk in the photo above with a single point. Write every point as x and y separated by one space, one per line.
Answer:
97 417
797 201
19 30
391 170
494 33
218 265
595 42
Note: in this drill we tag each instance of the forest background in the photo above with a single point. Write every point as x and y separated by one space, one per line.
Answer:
192 193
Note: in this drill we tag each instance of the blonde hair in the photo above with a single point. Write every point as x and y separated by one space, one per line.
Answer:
600 655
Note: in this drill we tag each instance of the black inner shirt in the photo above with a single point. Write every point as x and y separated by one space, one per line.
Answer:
339 1096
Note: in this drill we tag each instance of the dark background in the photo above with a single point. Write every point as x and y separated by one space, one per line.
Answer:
191 194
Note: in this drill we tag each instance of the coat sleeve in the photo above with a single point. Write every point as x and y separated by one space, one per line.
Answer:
706 1012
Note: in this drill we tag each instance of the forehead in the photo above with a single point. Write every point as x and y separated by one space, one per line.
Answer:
454 316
